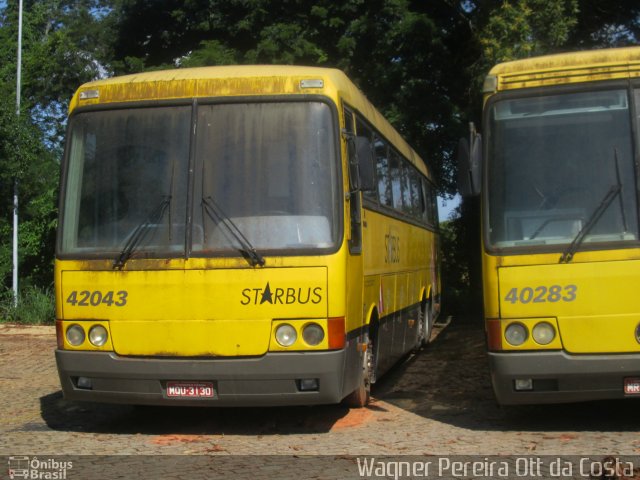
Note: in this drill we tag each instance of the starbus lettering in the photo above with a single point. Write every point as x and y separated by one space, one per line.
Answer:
281 296
392 249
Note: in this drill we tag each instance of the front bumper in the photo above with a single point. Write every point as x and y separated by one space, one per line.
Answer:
561 378
269 380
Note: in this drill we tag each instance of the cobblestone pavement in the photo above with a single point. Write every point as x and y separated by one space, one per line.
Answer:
437 402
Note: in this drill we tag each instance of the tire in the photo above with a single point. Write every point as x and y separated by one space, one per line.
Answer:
360 397
425 320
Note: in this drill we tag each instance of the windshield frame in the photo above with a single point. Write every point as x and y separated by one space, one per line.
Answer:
517 94
194 175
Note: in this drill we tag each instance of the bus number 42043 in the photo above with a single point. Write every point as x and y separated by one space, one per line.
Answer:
85 298
542 294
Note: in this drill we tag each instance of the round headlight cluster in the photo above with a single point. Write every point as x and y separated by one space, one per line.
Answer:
516 334
312 334
75 334
286 335
98 335
543 333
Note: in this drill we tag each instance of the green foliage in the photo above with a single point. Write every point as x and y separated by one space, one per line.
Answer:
36 306
606 24
461 280
55 60
63 45
25 159
210 52
523 28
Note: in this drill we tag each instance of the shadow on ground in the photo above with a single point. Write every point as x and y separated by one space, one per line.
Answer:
447 382
59 414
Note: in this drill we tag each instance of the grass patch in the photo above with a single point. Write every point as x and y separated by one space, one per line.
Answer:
36 306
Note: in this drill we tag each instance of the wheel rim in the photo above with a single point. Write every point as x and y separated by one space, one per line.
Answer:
421 326
369 365
426 330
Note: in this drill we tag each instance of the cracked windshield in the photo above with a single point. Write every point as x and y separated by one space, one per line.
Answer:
561 168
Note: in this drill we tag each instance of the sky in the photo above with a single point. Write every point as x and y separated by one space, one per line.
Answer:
446 206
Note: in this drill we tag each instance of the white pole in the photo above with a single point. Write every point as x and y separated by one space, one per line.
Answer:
15 184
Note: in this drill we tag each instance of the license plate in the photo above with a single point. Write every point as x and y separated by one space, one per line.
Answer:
632 386
190 390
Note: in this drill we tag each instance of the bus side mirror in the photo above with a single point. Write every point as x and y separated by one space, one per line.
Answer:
470 163
364 158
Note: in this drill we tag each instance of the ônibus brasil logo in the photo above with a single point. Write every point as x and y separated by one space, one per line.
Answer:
35 468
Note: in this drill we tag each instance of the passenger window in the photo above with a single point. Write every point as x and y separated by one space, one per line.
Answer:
417 200
382 170
407 206
363 130
395 173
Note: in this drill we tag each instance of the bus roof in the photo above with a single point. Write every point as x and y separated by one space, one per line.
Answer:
239 81
565 68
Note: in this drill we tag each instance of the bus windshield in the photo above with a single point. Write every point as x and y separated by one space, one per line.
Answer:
561 168
270 167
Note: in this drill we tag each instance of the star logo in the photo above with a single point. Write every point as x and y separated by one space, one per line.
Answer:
266 295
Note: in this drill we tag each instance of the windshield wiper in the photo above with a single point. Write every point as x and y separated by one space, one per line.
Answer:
140 233
567 255
213 210
613 192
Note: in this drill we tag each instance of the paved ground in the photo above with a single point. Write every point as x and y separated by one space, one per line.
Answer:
437 402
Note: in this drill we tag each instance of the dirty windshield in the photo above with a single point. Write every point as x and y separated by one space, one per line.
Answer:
560 169
269 168
126 182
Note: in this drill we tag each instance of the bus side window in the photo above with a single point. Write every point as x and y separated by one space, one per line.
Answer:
395 171
417 200
427 213
434 207
355 240
382 172
407 206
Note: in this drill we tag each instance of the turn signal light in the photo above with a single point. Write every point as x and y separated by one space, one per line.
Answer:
336 333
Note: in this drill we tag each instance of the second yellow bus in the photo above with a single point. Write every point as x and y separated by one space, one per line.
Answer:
561 245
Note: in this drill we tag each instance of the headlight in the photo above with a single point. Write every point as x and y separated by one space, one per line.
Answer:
516 334
75 335
543 333
313 334
286 335
98 335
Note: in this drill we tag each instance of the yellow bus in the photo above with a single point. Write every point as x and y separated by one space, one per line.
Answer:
241 235
561 252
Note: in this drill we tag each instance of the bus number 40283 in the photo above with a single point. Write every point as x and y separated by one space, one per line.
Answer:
542 294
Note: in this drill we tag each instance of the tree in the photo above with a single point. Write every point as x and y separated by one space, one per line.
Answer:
25 158
61 49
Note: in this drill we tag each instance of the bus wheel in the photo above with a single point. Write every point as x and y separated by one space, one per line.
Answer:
425 322
362 394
